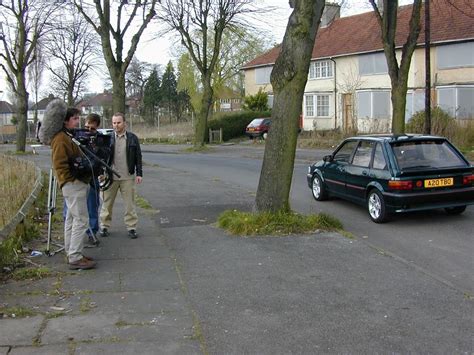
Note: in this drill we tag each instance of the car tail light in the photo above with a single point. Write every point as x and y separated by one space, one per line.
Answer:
400 185
467 180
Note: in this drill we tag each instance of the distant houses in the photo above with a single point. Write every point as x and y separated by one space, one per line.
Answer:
6 113
348 84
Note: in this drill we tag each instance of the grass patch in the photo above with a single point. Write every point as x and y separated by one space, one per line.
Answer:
198 149
31 273
17 312
280 223
143 203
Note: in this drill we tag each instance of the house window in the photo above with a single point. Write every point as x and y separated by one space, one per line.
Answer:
322 105
457 101
415 103
270 101
320 69
375 63
262 75
455 55
373 104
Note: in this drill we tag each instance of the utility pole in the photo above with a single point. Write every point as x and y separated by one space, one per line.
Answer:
427 123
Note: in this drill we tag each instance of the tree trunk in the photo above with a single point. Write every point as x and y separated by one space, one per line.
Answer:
200 128
21 112
118 92
399 99
289 77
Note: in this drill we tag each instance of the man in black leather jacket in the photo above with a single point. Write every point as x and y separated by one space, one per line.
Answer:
126 159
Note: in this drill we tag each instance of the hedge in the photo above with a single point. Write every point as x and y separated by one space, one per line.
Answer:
233 124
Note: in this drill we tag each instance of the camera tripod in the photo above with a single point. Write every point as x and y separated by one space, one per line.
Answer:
52 193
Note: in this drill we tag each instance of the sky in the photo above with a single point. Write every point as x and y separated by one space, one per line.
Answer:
160 50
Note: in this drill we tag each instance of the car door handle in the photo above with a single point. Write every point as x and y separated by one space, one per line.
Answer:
365 173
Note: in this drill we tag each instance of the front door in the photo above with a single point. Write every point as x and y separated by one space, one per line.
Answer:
348 112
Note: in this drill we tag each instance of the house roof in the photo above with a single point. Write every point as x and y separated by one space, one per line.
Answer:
41 104
450 21
104 99
5 107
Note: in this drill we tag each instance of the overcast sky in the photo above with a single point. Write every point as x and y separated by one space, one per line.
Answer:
160 51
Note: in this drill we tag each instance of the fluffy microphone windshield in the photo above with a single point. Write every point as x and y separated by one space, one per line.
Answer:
53 120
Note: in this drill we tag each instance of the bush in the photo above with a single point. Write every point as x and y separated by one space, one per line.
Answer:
233 124
442 124
257 102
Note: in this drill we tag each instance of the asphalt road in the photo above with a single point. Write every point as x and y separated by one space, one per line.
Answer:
437 244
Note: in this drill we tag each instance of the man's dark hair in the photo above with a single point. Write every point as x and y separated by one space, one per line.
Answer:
120 114
71 111
93 117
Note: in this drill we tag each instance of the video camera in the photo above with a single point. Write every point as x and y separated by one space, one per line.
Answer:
97 149
92 140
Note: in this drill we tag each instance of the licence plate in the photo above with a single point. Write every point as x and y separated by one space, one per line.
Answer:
439 182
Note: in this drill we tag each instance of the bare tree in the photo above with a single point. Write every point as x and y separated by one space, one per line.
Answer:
75 50
124 16
23 24
288 79
136 77
201 25
35 76
387 18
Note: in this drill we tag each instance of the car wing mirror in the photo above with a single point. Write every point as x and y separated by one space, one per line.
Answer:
328 158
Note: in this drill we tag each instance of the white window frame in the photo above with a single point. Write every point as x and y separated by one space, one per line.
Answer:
320 69
313 105
372 92
453 111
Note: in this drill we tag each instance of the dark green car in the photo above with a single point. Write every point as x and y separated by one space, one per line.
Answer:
395 173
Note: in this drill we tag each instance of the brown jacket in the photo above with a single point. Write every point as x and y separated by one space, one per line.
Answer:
63 149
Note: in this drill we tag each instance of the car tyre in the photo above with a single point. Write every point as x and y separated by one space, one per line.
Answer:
318 189
376 206
455 210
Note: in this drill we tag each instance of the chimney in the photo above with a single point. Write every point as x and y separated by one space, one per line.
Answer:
331 12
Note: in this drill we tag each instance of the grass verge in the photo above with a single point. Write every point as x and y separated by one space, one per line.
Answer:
280 223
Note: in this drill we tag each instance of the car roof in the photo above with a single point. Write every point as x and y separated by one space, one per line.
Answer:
389 137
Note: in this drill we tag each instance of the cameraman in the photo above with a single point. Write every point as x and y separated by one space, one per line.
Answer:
57 129
93 198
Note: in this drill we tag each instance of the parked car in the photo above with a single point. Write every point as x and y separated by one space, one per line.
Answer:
258 128
395 173
107 131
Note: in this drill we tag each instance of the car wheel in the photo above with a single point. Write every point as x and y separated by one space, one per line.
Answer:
318 189
265 135
376 206
455 210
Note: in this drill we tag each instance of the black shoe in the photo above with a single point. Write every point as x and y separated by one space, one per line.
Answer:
104 233
132 234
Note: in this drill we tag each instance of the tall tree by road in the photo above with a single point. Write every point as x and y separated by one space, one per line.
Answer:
387 18
75 48
168 89
35 77
23 24
151 97
117 63
200 25
288 79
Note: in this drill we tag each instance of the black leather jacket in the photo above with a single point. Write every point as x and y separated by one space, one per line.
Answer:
134 154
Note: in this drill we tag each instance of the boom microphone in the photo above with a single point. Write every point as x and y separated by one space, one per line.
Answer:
53 120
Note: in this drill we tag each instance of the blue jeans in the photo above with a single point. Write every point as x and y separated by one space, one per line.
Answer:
93 203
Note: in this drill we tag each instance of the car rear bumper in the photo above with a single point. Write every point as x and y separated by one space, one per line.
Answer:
254 134
416 201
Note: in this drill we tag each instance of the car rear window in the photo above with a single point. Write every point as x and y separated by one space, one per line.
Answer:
426 154
256 122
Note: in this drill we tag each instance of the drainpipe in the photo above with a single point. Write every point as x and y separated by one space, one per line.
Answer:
335 94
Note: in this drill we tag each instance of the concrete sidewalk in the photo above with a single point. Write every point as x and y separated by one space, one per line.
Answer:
133 303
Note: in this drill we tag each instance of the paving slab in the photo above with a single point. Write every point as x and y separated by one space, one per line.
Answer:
42 349
19 331
167 347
